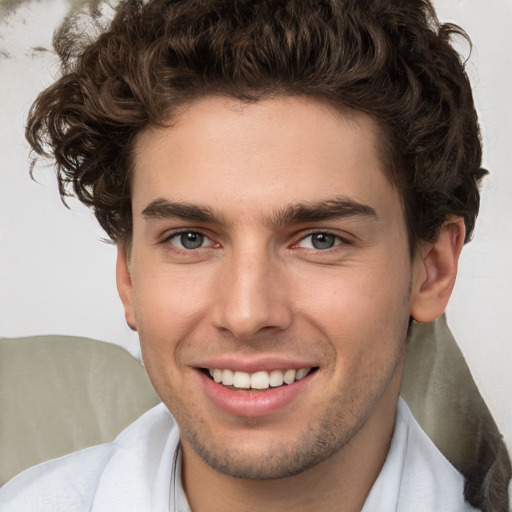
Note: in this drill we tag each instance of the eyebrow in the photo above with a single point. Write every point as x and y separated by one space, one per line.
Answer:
331 209
164 209
335 208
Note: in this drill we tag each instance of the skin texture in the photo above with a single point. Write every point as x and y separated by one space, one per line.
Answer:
256 292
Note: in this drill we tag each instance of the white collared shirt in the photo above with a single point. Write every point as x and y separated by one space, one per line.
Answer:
140 471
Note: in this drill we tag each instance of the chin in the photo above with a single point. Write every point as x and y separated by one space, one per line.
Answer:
268 456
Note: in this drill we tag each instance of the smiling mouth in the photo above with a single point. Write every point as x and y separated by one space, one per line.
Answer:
261 380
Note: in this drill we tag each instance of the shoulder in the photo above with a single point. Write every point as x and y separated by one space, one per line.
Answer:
71 483
66 483
428 478
416 476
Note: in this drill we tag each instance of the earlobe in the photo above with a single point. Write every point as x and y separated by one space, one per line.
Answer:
124 285
435 269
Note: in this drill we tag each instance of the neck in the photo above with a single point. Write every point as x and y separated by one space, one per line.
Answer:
341 483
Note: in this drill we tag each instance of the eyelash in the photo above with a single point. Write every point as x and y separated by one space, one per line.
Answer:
175 235
336 239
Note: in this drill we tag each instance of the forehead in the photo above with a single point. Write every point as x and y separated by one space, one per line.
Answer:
260 156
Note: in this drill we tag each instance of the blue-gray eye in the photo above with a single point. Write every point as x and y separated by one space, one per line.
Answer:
323 241
191 240
319 241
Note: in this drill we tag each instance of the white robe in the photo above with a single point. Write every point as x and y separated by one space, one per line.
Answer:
140 471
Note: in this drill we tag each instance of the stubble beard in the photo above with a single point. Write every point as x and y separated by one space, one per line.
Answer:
320 440
279 460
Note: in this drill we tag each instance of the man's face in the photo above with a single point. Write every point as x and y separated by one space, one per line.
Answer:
268 245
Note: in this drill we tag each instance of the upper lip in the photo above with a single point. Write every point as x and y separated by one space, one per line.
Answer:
255 364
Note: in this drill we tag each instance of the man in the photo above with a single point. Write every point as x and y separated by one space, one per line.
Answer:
289 184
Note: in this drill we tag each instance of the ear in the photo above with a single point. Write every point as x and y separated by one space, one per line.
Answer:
124 284
435 269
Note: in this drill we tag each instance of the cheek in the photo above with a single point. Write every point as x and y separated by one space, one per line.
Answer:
363 311
169 307
167 302
165 315
361 296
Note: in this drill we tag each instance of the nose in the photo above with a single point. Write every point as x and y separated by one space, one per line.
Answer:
252 297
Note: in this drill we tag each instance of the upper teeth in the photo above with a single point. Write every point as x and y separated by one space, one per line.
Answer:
258 380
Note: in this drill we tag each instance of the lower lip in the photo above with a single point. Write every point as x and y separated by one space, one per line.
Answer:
249 403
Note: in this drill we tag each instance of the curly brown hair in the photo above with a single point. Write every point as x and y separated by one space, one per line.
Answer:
390 59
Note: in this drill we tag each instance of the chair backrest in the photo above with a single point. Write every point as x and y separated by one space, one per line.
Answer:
60 394
443 397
